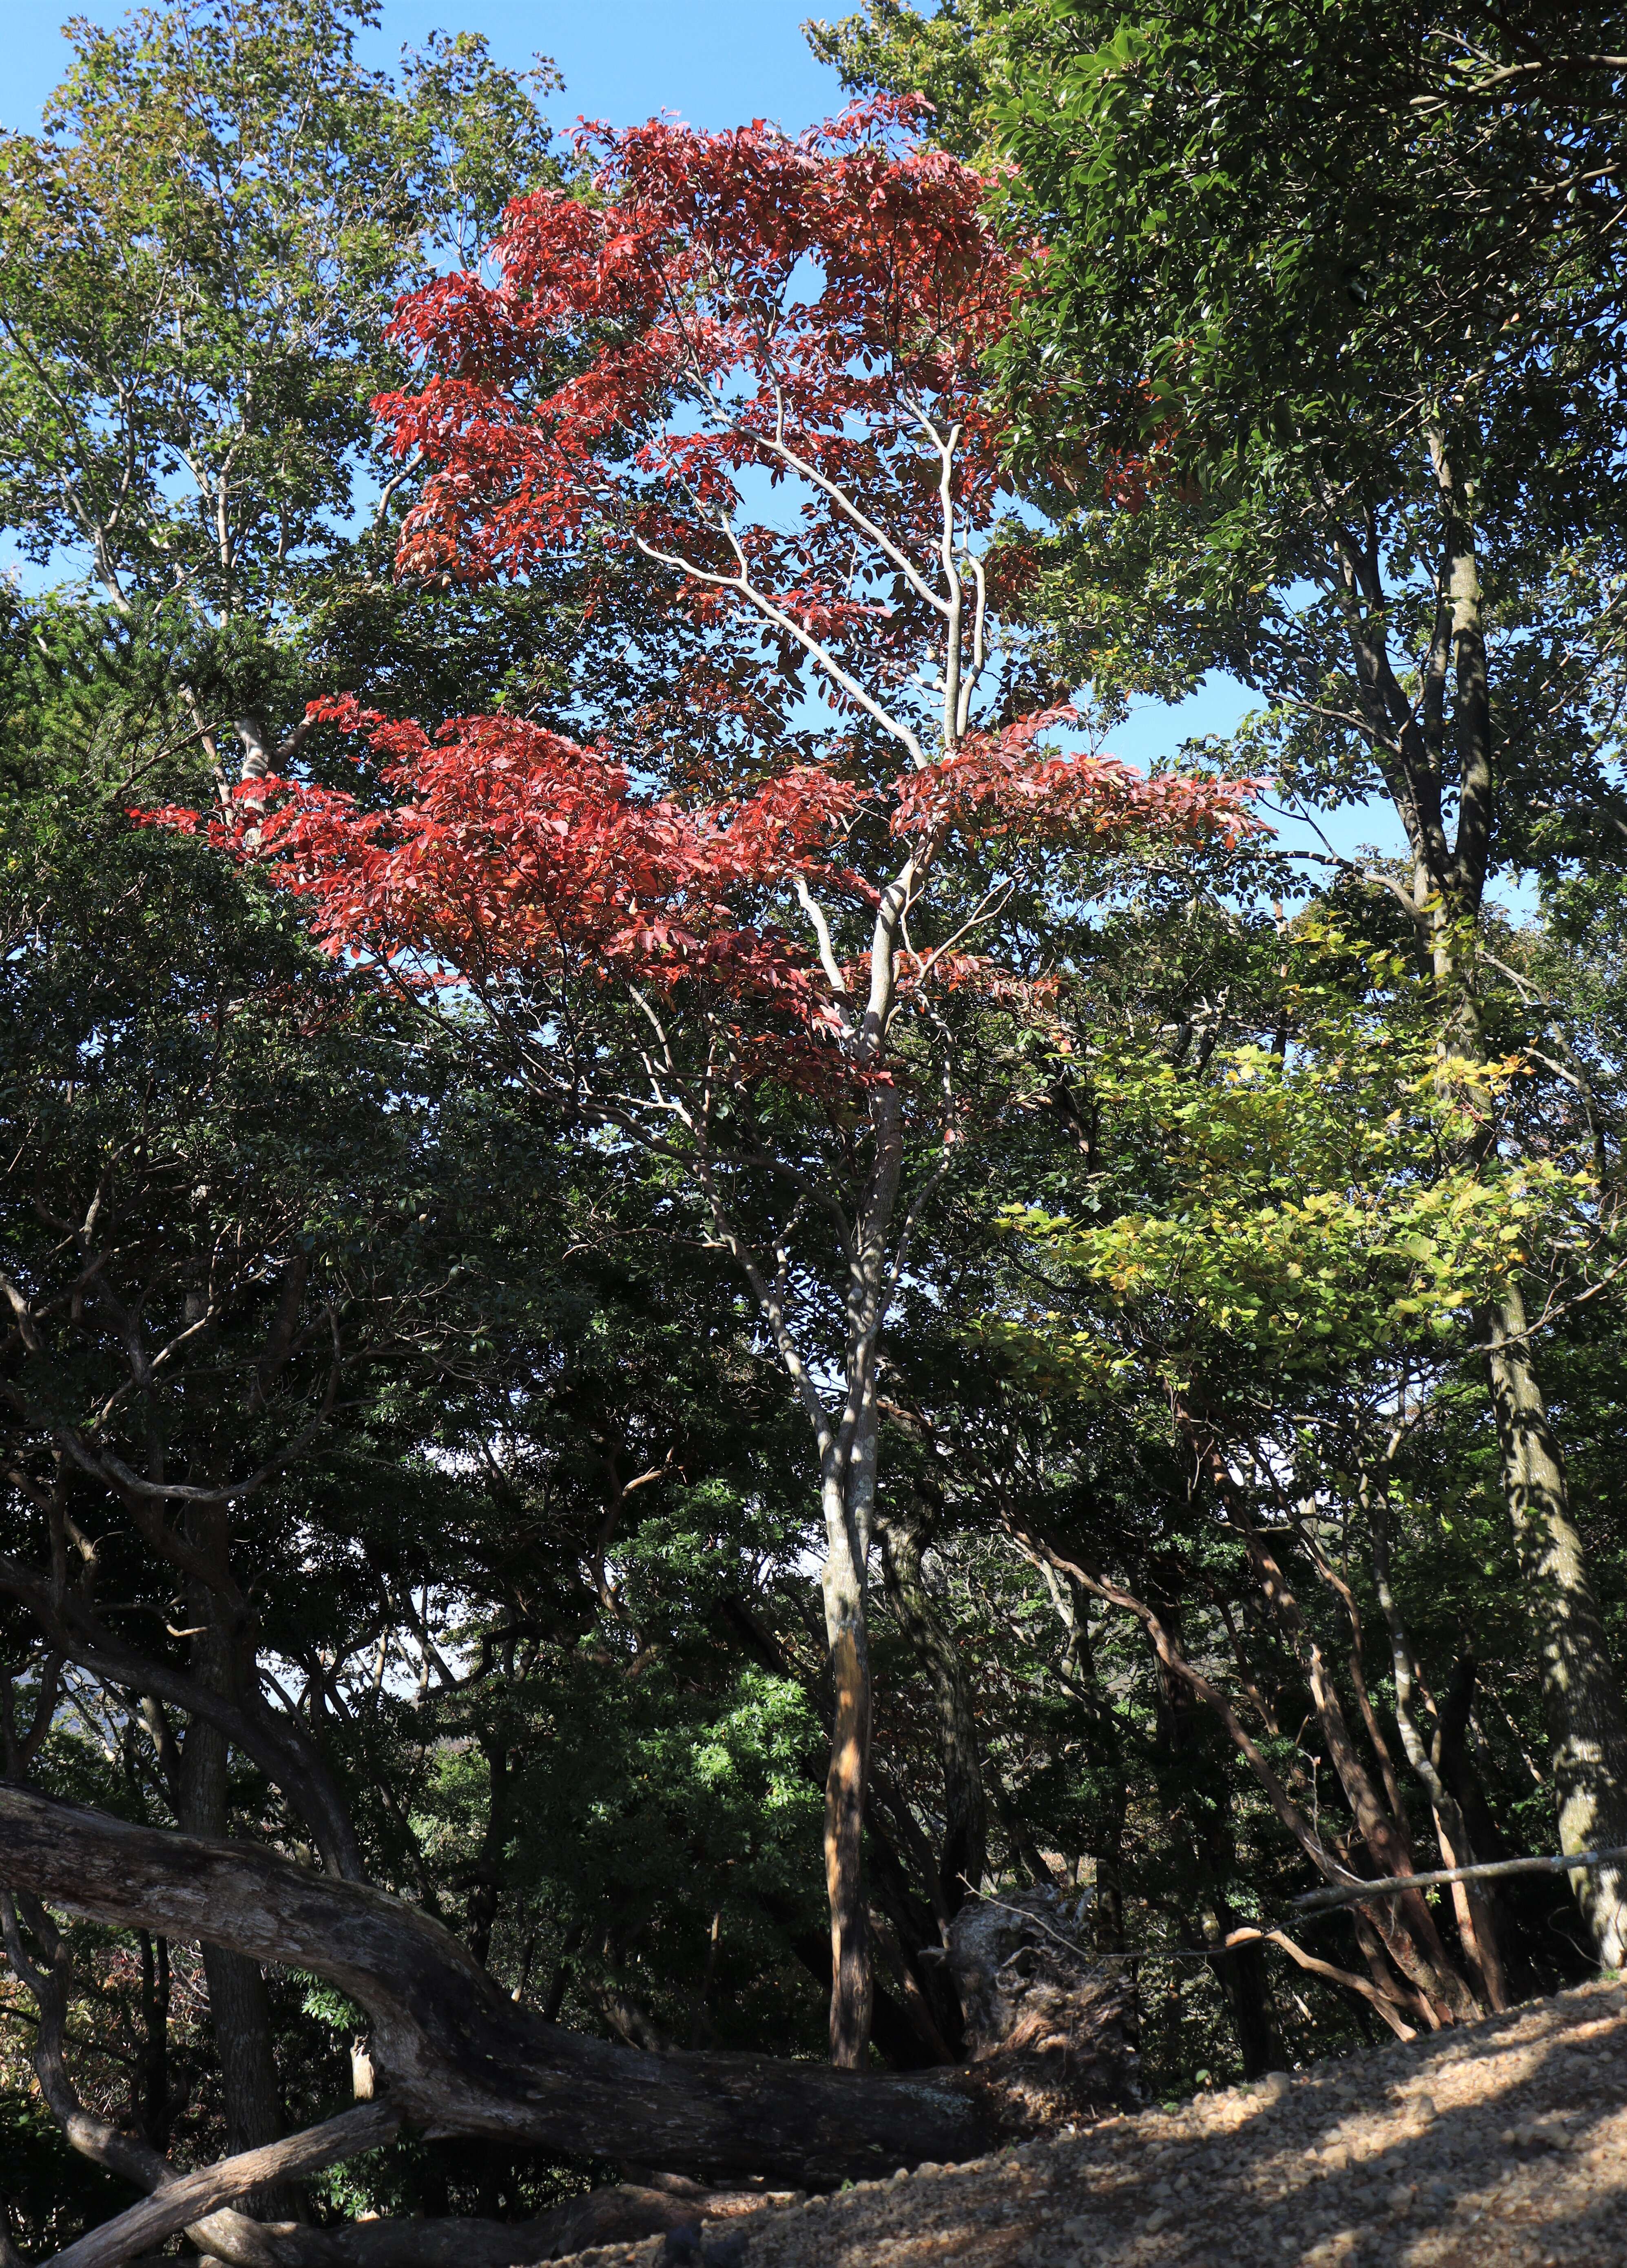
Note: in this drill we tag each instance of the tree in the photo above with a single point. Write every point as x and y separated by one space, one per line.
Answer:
1343 280
232 1213
199 256
747 313
175 1339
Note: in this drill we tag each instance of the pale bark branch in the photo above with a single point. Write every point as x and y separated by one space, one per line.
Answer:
1345 1976
192 2196
1394 1886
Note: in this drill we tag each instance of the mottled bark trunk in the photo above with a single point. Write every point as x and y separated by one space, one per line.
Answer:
850 1984
1587 1724
848 1470
1109 1904
927 2028
1588 1736
1111 1774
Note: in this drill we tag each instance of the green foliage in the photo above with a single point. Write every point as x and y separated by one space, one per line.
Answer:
197 258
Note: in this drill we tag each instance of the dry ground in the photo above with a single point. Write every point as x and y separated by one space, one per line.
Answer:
1501 2147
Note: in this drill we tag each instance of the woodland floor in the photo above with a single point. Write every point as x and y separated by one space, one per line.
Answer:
1500 2147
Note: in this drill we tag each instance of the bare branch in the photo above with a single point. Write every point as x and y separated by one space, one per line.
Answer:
190 2197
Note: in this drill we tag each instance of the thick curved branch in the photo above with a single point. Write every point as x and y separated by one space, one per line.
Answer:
1315 1968
457 2055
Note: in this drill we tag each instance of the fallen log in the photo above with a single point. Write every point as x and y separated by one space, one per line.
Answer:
456 2054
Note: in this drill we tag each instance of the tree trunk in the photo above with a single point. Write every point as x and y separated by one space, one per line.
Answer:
1246 1983
1241 1968
1587 1737
850 1984
486 1884
1476 1926
1408 1931
459 2057
964 1853
927 2028
1587 1732
240 2008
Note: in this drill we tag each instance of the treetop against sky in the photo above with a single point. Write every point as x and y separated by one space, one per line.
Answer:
713 63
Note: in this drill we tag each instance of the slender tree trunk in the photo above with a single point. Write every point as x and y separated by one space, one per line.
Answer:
1587 1736
151 2099
485 1885
1106 1750
851 1983
927 2028
1246 1983
240 2008
1476 1928
1586 1727
1241 1968
1109 1903
848 1489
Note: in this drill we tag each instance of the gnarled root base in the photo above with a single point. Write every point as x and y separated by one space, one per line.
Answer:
1054 2039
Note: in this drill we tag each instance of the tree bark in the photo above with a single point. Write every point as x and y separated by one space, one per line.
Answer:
1588 1729
1410 1936
1240 1965
240 2007
458 2056
926 2029
187 2198
1476 1928
1401 1995
1587 1736
852 1988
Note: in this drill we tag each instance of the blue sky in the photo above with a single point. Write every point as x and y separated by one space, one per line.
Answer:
716 62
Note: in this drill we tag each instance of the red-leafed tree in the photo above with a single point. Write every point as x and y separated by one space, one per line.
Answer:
760 366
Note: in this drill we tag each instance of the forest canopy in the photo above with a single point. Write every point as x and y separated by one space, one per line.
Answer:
696 1306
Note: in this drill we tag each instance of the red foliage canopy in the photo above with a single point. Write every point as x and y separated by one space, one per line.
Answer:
508 852
710 325
814 309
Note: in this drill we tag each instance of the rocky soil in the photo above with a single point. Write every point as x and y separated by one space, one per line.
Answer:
1500 2147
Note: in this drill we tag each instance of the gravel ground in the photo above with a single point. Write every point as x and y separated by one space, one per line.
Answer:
1500 2147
